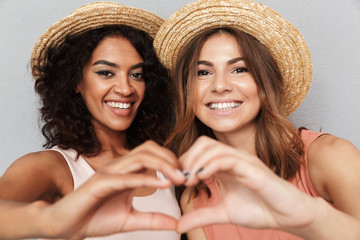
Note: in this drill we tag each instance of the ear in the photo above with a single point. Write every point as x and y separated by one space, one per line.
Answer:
77 89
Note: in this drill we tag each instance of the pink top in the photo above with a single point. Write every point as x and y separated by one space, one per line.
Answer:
162 201
228 231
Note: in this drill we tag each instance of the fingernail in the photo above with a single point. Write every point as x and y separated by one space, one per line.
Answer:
199 171
179 173
164 180
187 175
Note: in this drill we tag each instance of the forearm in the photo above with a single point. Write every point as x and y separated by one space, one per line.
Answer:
329 223
20 220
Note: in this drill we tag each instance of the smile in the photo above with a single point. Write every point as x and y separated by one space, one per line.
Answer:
119 105
224 106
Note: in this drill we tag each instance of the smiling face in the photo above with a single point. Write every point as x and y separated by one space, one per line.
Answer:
226 95
113 85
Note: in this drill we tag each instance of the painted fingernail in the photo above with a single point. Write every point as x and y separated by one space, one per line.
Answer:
187 175
200 170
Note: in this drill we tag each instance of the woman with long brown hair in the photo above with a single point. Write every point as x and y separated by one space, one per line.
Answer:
239 70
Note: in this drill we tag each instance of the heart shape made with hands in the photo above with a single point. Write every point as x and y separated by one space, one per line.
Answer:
254 198
262 199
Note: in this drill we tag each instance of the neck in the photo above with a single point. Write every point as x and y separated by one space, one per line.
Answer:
113 142
243 139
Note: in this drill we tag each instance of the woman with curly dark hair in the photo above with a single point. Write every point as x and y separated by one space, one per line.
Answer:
104 94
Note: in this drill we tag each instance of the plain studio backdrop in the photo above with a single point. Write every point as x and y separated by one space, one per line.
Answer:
330 27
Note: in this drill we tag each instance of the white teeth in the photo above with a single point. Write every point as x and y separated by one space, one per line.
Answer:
119 105
225 106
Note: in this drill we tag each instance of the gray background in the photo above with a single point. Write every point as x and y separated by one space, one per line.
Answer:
330 27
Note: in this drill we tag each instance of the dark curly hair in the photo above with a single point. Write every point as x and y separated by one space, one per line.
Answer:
67 121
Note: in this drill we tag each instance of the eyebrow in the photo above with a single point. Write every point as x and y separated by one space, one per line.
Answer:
111 64
231 61
139 65
104 62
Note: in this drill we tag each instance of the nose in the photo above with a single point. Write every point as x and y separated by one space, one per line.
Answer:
122 85
221 83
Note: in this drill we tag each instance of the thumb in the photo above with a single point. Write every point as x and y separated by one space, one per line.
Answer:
201 217
149 221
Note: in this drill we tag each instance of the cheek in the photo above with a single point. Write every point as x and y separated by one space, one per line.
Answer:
140 89
248 88
199 91
91 93
254 96
253 91
195 96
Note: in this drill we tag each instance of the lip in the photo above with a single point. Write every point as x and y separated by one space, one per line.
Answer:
118 111
222 100
223 107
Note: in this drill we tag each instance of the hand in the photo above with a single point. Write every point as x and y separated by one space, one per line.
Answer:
102 205
148 155
253 196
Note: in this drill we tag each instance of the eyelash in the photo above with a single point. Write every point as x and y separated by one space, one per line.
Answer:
105 73
203 73
236 70
137 75
240 70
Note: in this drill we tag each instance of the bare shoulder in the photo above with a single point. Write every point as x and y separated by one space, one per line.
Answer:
330 149
334 166
35 176
332 143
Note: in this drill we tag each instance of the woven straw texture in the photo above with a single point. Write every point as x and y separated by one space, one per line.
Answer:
92 16
282 39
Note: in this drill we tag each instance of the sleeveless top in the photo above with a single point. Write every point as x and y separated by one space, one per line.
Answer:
162 201
231 232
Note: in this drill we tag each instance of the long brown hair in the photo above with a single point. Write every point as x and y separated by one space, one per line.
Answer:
278 143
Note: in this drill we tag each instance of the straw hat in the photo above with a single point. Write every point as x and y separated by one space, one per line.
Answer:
92 16
282 39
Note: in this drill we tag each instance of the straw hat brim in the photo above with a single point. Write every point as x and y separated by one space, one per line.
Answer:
92 16
281 38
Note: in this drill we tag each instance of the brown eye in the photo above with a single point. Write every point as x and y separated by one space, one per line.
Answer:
104 73
203 73
137 75
240 70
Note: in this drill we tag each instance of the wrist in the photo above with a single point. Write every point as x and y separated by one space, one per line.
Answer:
317 212
37 218
21 220
328 223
